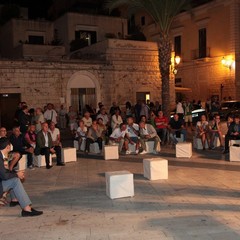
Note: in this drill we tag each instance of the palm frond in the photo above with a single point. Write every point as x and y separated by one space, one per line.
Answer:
162 11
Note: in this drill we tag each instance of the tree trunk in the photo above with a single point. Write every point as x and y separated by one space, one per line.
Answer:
164 66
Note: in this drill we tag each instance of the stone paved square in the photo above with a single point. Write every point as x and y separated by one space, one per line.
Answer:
200 200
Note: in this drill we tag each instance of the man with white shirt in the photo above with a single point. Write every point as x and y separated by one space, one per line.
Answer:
50 114
103 115
119 136
148 133
133 133
44 144
55 134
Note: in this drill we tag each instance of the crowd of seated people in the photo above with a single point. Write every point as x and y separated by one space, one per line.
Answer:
34 133
38 132
209 131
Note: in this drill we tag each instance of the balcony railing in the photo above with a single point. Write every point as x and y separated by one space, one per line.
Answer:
39 51
200 53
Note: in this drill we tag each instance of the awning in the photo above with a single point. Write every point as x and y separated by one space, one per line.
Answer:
183 89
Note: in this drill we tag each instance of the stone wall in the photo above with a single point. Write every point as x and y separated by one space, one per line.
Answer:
126 68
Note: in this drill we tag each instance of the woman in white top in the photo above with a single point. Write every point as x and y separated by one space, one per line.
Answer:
116 120
81 133
202 131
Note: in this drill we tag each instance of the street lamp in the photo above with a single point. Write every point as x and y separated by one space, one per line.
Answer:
229 63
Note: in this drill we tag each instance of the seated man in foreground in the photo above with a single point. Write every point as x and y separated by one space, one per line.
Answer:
176 128
11 181
148 133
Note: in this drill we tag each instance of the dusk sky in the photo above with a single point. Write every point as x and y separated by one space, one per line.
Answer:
39 8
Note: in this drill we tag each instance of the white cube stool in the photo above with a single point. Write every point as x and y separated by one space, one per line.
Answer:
119 184
155 168
184 149
22 163
94 148
132 147
111 152
216 142
149 146
231 142
82 147
75 144
197 143
234 155
180 140
39 160
69 155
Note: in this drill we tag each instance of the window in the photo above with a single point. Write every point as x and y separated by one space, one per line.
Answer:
36 40
143 20
202 43
178 82
177 45
89 37
131 24
143 96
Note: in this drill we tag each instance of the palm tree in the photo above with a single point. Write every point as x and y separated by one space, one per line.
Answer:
163 13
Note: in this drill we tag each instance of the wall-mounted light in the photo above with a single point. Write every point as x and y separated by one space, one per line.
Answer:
176 62
228 62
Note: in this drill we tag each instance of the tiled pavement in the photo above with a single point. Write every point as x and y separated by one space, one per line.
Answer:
200 200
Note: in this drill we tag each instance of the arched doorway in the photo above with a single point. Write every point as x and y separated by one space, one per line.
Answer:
83 88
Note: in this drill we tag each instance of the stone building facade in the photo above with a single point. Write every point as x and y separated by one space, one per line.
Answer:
204 38
112 70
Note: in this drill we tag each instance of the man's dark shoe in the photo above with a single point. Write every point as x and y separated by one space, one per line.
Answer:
48 167
32 213
13 204
61 164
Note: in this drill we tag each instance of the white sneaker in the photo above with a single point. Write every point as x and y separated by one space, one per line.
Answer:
128 152
155 152
143 152
137 151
